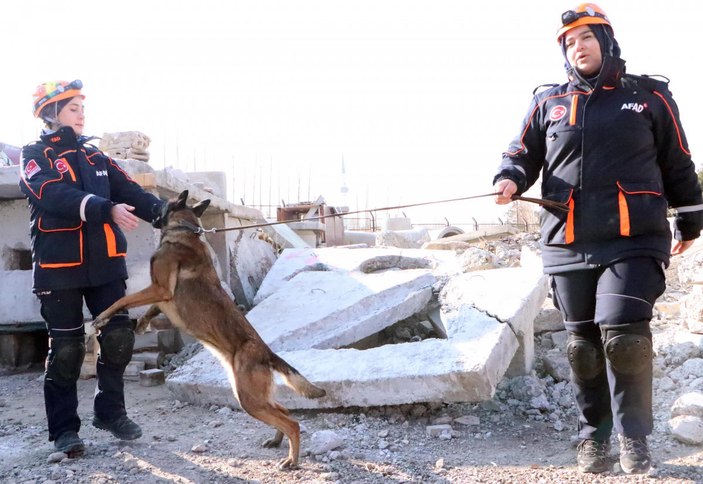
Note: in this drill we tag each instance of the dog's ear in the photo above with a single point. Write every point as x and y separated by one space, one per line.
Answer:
182 199
200 207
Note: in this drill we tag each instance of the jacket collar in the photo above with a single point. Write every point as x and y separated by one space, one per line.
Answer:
611 71
64 136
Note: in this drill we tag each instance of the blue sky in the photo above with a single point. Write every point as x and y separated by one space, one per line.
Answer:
418 97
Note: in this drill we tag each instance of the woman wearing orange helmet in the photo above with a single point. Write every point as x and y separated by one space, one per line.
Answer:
80 202
610 146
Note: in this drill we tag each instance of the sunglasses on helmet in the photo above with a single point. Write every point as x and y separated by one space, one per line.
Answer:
571 16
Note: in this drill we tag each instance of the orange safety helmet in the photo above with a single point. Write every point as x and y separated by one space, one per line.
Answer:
54 91
584 14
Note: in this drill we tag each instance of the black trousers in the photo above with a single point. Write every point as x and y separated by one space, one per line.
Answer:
62 311
611 300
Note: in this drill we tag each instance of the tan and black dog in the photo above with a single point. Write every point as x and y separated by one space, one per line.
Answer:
186 288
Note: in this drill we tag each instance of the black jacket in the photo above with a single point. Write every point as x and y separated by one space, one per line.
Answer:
617 155
71 187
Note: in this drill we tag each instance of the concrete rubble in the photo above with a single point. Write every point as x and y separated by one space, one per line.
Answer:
315 303
132 145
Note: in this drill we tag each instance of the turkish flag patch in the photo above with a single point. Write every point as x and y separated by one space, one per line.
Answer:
61 166
31 169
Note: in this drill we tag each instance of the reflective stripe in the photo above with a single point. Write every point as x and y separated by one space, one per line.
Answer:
84 202
624 296
675 121
66 329
690 208
574 108
111 242
570 222
624 215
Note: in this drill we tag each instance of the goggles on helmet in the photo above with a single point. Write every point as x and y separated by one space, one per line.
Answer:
584 14
571 16
55 91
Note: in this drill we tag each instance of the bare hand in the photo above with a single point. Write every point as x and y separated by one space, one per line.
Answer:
681 246
123 217
504 190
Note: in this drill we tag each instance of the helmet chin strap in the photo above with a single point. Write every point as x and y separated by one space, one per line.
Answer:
52 120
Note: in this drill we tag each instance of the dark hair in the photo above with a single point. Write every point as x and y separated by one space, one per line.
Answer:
50 113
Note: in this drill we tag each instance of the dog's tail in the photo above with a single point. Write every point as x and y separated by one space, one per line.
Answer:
294 379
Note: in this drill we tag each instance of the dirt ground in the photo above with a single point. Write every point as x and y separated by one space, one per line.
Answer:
190 444
497 443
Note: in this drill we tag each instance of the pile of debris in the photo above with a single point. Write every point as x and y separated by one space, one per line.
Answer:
126 145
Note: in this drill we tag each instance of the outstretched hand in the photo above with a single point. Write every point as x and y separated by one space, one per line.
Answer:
123 217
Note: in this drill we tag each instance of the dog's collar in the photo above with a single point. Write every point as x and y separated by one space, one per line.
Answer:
183 225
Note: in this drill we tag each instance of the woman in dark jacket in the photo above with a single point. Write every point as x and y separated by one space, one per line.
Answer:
80 201
611 147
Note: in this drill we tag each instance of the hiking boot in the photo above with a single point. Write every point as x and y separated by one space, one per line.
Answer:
122 427
70 444
634 455
592 456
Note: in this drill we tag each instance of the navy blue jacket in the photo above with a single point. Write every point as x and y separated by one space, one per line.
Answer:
71 187
617 155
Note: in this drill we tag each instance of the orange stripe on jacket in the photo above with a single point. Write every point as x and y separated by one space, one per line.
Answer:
569 237
673 118
624 215
111 242
574 109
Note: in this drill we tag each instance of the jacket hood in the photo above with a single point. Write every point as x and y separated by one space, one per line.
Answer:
609 48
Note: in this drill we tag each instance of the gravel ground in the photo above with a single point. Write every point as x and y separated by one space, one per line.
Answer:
500 441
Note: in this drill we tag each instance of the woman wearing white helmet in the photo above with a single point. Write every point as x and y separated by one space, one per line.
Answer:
610 146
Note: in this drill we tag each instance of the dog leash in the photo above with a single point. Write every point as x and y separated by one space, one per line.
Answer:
559 206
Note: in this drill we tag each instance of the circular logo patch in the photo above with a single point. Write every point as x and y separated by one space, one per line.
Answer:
557 113
61 166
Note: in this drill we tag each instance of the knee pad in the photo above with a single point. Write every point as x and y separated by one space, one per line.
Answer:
629 354
116 346
65 360
586 358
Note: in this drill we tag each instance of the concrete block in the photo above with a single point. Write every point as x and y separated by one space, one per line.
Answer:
147 341
133 369
150 359
333 309
152 378
169 340
17 350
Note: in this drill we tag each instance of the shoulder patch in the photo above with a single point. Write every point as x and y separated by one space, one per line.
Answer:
31 168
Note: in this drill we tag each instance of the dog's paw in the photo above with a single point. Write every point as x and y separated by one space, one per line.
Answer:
287 464
271 443
142 324
100 321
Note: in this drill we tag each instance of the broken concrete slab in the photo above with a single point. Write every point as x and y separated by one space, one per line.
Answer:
295 261
466 370
334 309
485 334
